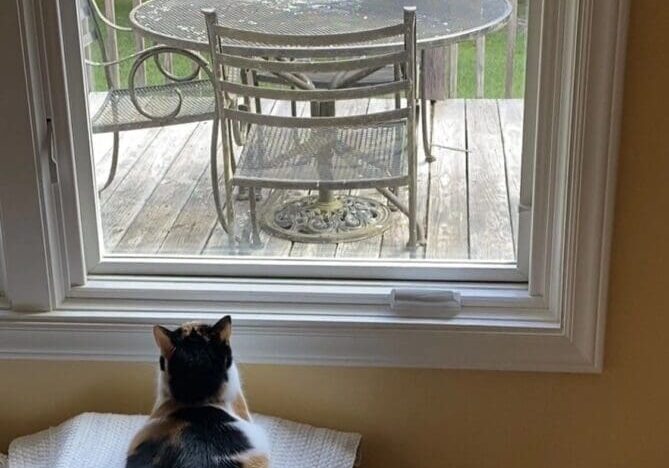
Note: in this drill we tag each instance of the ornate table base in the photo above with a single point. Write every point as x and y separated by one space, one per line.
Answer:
343 218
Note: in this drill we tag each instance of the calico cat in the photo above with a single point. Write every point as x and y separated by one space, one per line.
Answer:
200 418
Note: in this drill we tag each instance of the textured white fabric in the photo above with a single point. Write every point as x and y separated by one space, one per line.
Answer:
3 461
93 440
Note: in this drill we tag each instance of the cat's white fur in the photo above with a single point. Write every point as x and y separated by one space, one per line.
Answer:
162 390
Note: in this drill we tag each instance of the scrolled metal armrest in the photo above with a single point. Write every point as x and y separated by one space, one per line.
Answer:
154 53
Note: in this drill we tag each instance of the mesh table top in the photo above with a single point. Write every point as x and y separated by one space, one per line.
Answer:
180 23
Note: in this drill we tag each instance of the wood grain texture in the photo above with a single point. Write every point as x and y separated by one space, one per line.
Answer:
193 227
511 122
447 233
132 146
434 73
453 74
121 203
489 224
173 213
147 231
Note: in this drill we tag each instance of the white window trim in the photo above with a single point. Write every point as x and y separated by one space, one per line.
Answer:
96 261
4 304
555 325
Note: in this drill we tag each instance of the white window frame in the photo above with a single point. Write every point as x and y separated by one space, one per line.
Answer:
554 322
96 262
4 304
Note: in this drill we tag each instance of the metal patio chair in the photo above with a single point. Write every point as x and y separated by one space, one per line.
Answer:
182 99
380 76
323 152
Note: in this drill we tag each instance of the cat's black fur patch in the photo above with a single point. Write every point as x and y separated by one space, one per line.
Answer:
199 365
193 434
208 440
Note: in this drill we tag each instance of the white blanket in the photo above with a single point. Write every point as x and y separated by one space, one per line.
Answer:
93 440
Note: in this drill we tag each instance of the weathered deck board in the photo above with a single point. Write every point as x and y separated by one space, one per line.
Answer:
511 121
196 222
151 225
394 242
447 233
161 201
102 145
489 223
191 229
121 206
132 145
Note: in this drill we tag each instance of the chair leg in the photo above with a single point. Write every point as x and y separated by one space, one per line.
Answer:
225 223
293 106
427 130
396 76
255 234
395 191
258 104
413 214
114 162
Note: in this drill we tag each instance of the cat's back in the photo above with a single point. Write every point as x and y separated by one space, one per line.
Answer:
199 437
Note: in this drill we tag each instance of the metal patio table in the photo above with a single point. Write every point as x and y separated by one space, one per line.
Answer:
179 24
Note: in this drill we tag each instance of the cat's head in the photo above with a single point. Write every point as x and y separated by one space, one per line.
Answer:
195 360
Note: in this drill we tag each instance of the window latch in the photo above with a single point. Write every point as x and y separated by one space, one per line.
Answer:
53 165
410 299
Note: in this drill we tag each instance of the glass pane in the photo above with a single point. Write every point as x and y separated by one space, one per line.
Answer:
152 159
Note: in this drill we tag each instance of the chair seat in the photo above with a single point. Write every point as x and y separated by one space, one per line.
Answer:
116 112
329 158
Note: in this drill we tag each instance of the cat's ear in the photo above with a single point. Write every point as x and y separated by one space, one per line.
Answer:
223 328
164 341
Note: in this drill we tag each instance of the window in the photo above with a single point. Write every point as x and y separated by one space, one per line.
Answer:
146 188
503 207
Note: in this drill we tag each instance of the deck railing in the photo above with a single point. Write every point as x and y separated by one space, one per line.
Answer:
439 85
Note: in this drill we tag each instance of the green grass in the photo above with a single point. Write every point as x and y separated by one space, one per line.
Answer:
126 47
494 75
495 67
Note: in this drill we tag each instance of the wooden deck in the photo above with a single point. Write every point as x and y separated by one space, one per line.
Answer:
160 202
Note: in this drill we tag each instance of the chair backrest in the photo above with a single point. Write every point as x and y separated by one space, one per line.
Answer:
292 59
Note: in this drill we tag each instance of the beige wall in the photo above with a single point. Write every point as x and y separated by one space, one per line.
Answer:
428 418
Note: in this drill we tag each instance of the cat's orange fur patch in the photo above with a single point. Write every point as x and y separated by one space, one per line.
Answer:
165 410
158 430
189 327
256 461
240 408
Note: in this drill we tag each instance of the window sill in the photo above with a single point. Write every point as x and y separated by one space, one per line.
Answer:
499 328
